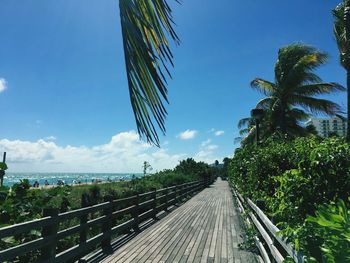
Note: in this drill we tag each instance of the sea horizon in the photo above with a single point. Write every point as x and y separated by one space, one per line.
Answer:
68 178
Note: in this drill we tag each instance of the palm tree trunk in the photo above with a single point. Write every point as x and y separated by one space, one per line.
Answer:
283 125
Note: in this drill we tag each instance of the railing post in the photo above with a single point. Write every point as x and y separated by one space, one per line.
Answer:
48 252
181 193
166 199
176 197
136 214
83 219
107 226
154 197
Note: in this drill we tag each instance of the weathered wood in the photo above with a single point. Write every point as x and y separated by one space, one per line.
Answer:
83 220
48 252
25 227
263 222
110 208
22 249
154 197
296 255
136 212
107 227
273 250
198 231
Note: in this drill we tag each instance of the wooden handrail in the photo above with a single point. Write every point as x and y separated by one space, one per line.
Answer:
269 232
106 212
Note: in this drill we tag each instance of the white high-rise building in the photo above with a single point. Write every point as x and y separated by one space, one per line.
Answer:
325 126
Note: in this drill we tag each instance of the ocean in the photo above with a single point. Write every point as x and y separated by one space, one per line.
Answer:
68 178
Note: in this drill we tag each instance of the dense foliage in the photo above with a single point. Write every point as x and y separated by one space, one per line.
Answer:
292 178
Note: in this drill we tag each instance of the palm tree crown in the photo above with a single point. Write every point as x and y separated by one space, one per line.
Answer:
295 87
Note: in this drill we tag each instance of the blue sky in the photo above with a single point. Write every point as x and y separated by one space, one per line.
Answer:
63 68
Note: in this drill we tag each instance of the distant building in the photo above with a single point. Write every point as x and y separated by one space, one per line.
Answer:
326 126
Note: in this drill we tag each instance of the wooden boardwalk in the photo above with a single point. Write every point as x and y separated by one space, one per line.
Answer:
204 229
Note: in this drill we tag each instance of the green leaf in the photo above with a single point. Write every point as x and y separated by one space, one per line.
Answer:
145 24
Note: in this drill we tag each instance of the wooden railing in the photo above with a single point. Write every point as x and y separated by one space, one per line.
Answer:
129 212
272 247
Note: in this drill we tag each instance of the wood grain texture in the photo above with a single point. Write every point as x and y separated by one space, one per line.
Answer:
207 228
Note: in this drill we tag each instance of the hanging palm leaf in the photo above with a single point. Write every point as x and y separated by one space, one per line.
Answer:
146 24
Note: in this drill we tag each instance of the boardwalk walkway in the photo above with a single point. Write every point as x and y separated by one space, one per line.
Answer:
204 229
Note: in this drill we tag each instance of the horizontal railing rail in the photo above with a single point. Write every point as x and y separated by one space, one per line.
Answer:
130 212
273 247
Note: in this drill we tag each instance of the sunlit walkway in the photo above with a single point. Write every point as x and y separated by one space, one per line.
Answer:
204 229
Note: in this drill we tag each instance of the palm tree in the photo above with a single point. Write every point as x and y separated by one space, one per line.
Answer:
341 16
145 24
246 128
268 126
295 87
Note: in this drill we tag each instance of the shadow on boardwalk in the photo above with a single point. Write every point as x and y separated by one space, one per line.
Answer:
204 229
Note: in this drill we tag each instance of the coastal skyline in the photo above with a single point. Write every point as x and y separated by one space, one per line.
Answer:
63 90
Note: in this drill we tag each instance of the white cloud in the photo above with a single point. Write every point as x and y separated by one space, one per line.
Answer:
207 152
188 134
219 133
212 147
3 84
206 142
123 153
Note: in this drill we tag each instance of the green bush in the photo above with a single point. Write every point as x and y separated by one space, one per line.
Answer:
254 169
332 225
293 178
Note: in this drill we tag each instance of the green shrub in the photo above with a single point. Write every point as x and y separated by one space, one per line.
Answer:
332 225
293 178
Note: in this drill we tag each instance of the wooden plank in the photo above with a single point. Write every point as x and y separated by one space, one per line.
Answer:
201 230
206 249
139 240
176 229
171 252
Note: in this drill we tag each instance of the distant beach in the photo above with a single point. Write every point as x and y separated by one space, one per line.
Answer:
67 178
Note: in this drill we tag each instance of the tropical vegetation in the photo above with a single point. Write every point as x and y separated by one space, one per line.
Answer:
292 180
293 96
341 30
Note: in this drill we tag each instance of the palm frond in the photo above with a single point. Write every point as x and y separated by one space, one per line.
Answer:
265 103
263 86
319 88
249 138
340 34
297 115
243 132
244 122
296 64
315 105
145 24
